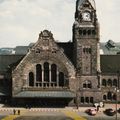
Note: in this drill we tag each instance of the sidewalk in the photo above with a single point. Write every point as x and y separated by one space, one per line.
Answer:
32 111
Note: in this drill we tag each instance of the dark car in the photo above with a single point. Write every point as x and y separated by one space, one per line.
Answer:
110 112
119 110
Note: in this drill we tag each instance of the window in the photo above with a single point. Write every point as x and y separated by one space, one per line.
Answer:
87 84
87 50
80 32
109 96
61 79
104 83
109 82
115 82
84 85
84 32
82 99
46 72
84 50
87 99
31 79
38 73
93 32
114 97
91 100
89 32
47 75
37 50
104 97
53 73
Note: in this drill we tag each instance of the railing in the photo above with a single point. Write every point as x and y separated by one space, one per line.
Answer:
44 87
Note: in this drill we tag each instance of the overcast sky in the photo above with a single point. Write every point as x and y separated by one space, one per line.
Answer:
22 20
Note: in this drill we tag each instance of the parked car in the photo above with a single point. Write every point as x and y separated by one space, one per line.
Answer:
119 110
110 112
91 111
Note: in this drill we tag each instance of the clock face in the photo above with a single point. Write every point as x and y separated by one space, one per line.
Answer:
86 16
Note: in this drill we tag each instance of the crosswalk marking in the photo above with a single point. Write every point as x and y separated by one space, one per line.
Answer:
73 115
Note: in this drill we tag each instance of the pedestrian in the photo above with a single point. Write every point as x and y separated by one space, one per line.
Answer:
98 108
14 111
18 112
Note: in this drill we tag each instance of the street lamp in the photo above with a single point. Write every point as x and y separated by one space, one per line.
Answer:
77 99
116 91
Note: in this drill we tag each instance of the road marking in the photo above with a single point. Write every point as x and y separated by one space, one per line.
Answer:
12 117
74 115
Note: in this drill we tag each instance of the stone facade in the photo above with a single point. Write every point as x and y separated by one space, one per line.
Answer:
73 75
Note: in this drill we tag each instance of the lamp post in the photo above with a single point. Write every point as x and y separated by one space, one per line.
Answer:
77 99
116 91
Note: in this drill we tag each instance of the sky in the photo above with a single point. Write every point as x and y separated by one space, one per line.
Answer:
21 21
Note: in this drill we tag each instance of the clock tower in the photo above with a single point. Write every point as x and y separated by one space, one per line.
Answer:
86 38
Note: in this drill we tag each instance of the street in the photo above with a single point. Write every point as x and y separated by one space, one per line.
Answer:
67 113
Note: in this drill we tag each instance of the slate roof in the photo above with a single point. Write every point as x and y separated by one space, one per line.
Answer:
68 49
19 50
45 94
7 60
110 63
110 48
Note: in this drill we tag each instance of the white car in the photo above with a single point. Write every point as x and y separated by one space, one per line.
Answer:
91 111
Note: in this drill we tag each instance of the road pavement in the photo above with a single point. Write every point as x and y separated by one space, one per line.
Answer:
68 113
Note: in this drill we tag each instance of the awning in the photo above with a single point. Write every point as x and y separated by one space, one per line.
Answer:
45 94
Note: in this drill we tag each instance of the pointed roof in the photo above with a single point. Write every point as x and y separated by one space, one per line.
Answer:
92 2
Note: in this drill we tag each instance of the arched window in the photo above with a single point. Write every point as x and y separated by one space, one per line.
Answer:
114 97
104 83
89 50
82 100
87 99
91 100
93 32
109 82
84 50
61 79
31 79
46 72
87 84
104 97
84 85
109 96
53 73
89 32
115 82
80 32
84 32
38 73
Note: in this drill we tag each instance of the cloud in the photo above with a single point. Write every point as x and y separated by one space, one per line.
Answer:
22 20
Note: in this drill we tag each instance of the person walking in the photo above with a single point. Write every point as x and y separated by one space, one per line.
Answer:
18 112
14 111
